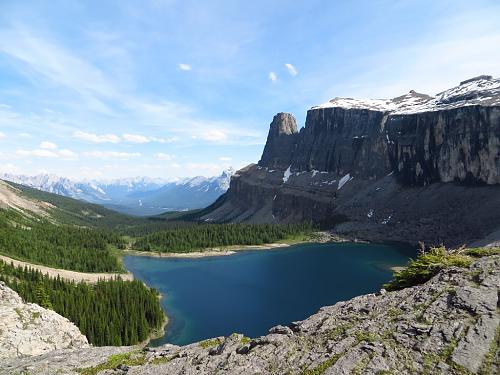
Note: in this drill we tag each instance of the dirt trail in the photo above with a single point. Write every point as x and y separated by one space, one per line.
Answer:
69 275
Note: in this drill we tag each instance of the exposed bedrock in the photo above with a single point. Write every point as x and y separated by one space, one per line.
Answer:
449 325
411 169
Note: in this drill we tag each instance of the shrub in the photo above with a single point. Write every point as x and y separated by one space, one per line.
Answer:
425 266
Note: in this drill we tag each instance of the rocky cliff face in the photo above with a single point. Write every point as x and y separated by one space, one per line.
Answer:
450 325
27 329
410 168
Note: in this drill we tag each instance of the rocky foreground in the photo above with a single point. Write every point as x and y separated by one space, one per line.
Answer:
27 329
449 325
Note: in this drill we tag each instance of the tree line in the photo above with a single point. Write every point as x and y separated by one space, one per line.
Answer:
195 237
113 312
62 246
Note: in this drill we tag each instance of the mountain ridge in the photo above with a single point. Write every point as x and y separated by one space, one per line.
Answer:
136 195
367 171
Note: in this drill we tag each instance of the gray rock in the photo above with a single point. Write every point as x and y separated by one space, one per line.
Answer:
27 329
398 171
423 329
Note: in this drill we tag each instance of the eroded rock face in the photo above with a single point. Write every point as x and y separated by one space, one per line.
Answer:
449 325
280 141
27 329
413 168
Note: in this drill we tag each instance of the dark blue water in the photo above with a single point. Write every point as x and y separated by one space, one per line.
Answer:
252 291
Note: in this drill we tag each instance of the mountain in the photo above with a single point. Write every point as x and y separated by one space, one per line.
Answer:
137 196
413 168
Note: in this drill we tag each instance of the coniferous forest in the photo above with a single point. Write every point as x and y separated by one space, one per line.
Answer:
112 312
61 246
196 237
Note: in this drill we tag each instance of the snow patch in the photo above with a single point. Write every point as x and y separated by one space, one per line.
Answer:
370 213
385 221
287 174
344 180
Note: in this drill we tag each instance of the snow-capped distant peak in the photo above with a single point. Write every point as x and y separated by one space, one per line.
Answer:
482 90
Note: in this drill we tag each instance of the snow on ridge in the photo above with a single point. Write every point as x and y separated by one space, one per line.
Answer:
287 174
344 180
483 90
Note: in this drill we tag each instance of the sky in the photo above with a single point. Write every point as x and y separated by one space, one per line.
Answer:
164 88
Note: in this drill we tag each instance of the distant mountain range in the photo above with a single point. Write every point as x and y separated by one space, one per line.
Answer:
138 195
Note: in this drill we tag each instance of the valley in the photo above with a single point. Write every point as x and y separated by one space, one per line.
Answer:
381 177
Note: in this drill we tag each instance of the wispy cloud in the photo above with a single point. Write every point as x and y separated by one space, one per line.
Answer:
163 156
136 138
94 138
2 135
185 67
45 153
67 154
48 145
9 168
111 154
273 77
211 135
225 158
291 69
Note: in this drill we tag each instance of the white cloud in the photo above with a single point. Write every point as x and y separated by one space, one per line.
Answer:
45 153
46 145
273 77
164 140
203 169
225 158
291 69
211 135
2 135
163 156
39 153
113 138
9 168
59 65
67 154
25 135
184 67
91 137
136 138
111 154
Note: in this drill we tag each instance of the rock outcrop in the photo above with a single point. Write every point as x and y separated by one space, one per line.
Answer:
413 168
449 325
27 329
280 141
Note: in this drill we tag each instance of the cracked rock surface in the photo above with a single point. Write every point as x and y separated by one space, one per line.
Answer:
449 325
27 329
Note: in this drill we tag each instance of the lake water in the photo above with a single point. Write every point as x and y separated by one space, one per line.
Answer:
252 291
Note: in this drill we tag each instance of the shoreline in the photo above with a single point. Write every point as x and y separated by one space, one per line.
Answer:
211 252
317 237
69 275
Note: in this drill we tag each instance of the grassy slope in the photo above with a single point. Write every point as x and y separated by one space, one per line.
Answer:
76 212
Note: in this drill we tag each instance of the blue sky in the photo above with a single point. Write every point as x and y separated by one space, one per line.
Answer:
105 89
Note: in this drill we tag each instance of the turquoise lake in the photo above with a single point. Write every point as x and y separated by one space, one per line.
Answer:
252 291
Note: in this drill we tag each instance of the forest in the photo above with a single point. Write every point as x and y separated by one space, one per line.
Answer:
196 237
41 241
112 312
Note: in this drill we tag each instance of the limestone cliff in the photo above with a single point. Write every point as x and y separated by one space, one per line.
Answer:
410 168
449 325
